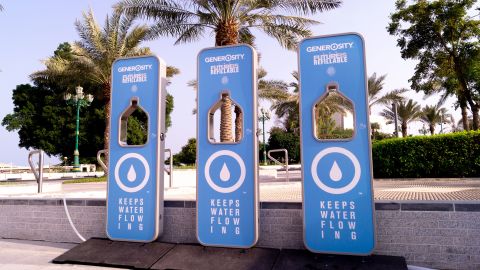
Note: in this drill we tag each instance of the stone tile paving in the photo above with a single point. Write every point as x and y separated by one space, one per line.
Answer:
430 190
434 190
282 191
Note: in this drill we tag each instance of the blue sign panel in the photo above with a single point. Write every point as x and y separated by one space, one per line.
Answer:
336 149
227 194
135 178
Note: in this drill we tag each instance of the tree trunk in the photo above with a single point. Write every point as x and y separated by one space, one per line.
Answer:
404 130
465 117
467 94
238 124
226 33
106 134
432 129
475 117
226 119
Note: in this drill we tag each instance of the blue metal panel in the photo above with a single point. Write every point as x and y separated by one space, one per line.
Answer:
227 200
337 200
135 178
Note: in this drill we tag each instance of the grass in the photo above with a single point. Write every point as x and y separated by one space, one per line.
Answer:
10 183
86 180
185 167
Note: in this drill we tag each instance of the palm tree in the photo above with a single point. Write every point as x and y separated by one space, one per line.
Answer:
375 86
230 21
449 87
95 52
406 111
433 115
287 105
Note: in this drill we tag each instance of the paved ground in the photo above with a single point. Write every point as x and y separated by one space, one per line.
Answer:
280 189
444 190
35 255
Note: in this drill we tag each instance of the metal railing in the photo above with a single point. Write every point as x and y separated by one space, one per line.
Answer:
100 161
38 175
278 162
170 169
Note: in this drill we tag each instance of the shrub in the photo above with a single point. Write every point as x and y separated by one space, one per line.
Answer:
446 155
188 154
280 139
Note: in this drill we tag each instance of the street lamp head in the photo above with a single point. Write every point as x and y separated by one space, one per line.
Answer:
79 91
90 98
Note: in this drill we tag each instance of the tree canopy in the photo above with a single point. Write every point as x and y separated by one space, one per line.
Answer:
188 154
231 22
444 37
44 121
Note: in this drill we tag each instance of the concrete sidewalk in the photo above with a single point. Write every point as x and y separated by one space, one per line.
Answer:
35 255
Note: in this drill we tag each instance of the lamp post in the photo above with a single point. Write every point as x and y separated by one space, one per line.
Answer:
65 164
265 116
79 100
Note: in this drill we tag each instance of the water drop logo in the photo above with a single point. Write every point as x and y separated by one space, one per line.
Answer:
131 175
224 173
335 172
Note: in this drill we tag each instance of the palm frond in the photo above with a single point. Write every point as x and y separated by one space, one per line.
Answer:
91 37
393 96
193 84
306 6
261 73
190 33
187 20
283 109
287 36
246 36
133 39
163 11
273 90
375 85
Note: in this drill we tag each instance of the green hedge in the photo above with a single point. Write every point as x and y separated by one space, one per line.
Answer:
446 155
